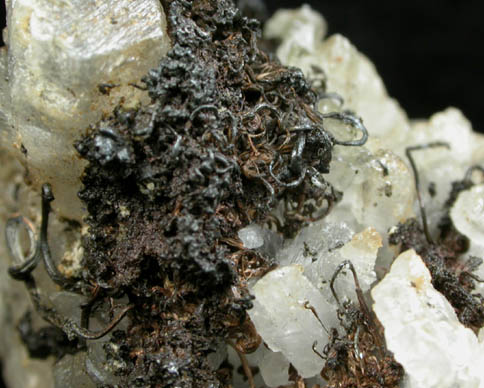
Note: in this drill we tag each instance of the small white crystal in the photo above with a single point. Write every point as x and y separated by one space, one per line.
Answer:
362 251
382 191
322 246
266 241
274 368
252 236
285 324
302 30
467 214
422 329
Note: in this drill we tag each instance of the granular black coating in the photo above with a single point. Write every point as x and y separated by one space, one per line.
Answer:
229 133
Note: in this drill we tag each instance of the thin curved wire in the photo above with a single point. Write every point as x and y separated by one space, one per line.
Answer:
294 183
355 122
40 251
26 265
408 152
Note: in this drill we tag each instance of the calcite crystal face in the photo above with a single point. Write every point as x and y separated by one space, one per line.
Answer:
68 63
422 329
286 324
468 214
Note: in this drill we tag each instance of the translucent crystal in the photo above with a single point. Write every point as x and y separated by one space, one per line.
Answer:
302 29
382 191
468 214
70 371
423 331
239 379
59 53
264 240
283 321
274 368
252 236
216 358
362 251
321 247
439 167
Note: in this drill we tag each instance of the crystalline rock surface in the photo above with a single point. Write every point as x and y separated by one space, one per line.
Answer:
58 54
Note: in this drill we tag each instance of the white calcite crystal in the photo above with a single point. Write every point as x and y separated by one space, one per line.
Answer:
422 329
264 240
281 314
441 166
285 323
378 188
58 55
379 192
321 247
252 236
274 368
467 214
362 251
302 29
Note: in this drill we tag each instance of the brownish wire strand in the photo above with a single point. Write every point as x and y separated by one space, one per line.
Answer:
245 365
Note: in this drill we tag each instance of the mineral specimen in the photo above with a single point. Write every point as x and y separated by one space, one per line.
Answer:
236 209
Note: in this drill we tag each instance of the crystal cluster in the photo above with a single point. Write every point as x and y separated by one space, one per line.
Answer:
421 327
69 63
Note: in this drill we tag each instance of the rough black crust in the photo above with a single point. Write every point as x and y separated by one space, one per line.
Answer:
168 186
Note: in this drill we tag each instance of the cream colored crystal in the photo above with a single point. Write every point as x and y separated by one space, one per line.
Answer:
378 189
467 214
302 30
422 329
362 251
59 52
274 368
284 323
441 166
